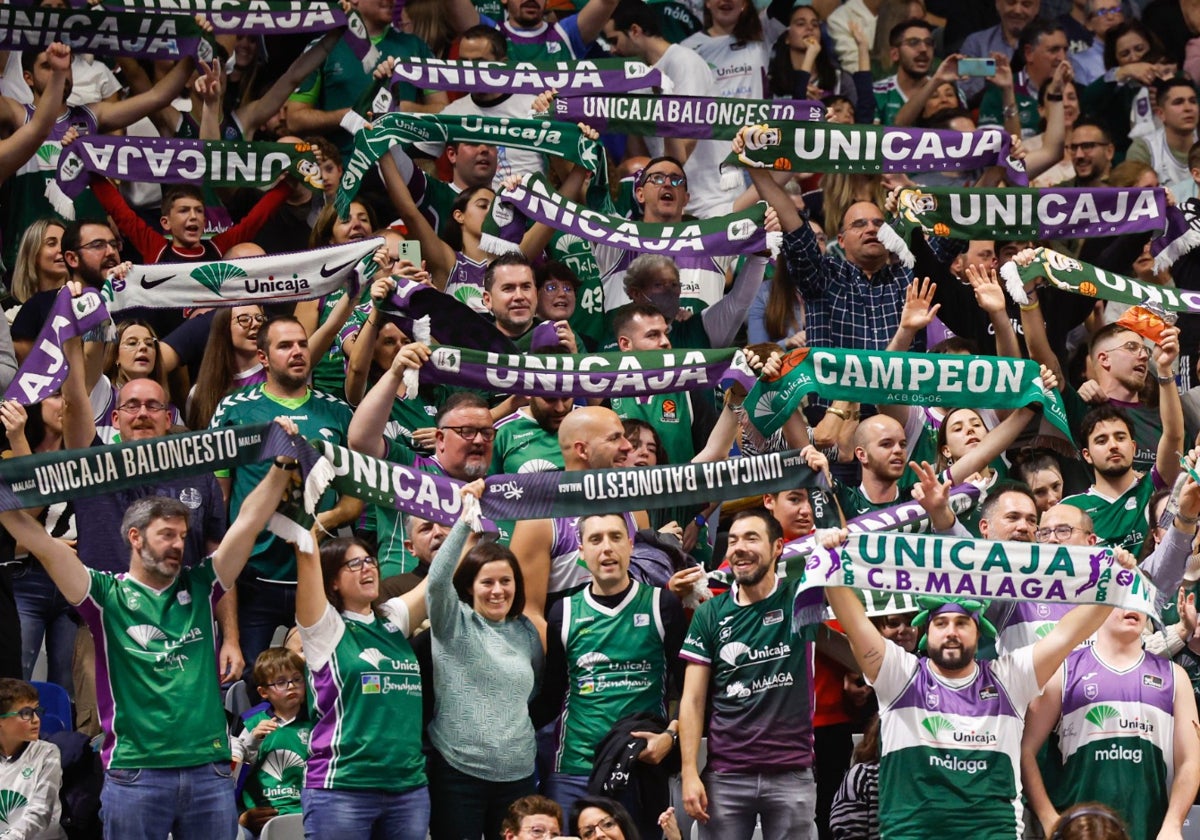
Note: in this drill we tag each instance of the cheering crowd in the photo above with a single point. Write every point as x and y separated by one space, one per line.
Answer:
890 302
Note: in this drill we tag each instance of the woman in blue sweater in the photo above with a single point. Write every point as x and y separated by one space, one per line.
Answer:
487 657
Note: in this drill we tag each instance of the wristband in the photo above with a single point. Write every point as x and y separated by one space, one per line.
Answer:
1187 520
700 520
1054 97
1169 378
1029 307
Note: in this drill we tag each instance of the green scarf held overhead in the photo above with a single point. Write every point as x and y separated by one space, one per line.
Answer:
1071 275
561 140
1022 213
905 378
872 149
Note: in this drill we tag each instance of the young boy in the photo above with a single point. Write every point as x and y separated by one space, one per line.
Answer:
274 744
30 770
183 222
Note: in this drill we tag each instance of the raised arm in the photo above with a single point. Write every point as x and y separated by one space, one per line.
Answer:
23 142
911 111
997 441
990 297
1170 410
592 17
111 116
362 349
438 596
439 257
723 319
255 113
231 555
769 190
1051 152
865 640
530 543
1040 721
1051 650
79 424
462 15
370 418
1033 325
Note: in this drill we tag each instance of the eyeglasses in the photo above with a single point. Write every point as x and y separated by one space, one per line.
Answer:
101 245
660 178
1062 532
896 622
26 713
863 224
486 433
1101 13
1085 146
606 825
135 343
555 288
245 320
357 563
539 831
134 406
284 685
1134 347
913 43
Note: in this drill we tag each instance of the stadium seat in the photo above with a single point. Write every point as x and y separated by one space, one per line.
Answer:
285 827
58 716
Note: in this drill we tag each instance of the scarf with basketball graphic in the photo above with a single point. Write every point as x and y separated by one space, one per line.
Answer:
1022 214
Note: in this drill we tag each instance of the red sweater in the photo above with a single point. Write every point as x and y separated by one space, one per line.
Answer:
156 248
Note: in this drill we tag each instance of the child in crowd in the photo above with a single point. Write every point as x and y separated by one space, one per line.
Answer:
30 770
274 745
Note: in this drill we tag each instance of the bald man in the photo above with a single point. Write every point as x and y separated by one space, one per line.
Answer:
590 438
881 448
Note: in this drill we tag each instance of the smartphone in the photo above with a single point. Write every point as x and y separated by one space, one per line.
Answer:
984 67
409 249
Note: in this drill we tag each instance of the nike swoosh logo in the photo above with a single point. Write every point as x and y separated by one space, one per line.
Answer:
147 283
329 272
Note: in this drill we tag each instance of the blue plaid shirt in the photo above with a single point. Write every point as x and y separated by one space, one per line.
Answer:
845 308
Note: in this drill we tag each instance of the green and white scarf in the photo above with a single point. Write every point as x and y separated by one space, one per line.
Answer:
276 278
905 378
950 566
561 140
1071 275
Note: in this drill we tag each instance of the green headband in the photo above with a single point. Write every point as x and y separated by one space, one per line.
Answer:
931 606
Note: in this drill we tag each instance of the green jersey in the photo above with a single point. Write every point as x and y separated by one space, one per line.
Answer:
854 502
341 80
960 738
616 667
523 446
365 700
761 682
1119 522
156 669
316 415
1117 735
389 522
671 417
277 775
588 318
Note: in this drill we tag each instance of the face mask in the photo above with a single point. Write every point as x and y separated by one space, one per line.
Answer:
666 302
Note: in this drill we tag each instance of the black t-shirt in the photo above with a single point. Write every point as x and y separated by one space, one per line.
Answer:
33 316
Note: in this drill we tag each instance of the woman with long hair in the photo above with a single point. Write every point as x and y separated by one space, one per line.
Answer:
230 361
37 276
365 775
799 68
1120 100
475 596
427 20
134 355
732 44
324 317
